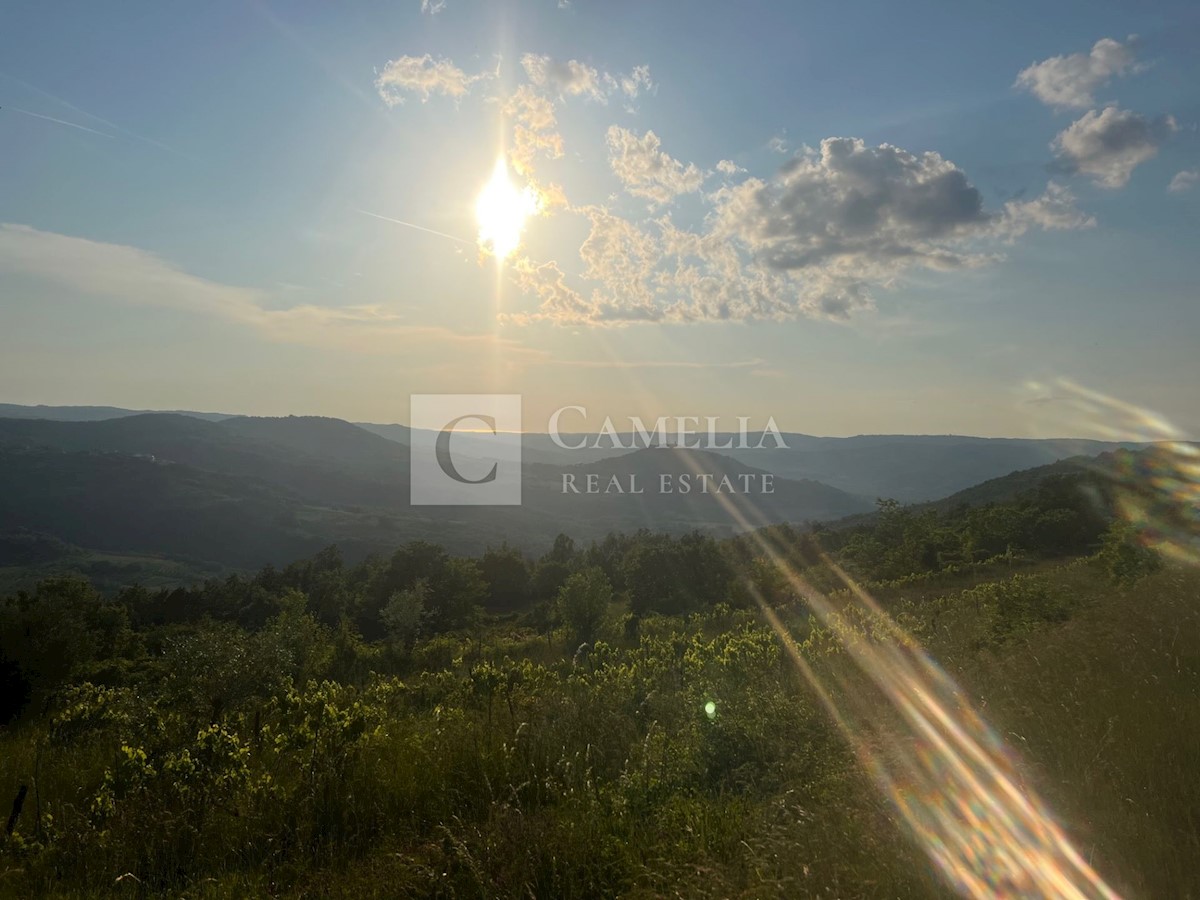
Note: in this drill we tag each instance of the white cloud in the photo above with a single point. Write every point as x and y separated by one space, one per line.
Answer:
129 275
432 7
823 237
645 170
569 79
423 76
1066 82
573 78
820 239
777 145
558 301
1184 181
1110 144
637 81
1055 210
534 128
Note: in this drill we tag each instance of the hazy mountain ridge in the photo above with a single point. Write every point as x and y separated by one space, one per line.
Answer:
910 468
244 491
92 413
644 470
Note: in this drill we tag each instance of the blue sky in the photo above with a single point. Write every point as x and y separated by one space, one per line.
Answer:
201 241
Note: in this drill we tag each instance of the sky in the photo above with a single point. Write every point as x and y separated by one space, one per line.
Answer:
850 217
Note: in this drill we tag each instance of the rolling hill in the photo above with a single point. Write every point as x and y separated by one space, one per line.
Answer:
909 468
244 492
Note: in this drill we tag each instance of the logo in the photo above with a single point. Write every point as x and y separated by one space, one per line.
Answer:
466 449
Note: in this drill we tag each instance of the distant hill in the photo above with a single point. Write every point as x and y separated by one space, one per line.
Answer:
320 460
1101 472
243 492
1008 487
116 502
909 468
214 493
915 468
675 469
535 448
89 413
328 439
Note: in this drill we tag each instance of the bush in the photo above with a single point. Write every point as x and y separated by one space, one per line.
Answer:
1124 557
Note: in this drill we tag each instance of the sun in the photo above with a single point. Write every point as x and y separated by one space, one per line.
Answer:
501 211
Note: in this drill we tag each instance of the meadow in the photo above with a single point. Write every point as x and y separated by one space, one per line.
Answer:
248 739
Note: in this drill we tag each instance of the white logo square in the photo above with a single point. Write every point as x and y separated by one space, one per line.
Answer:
465 449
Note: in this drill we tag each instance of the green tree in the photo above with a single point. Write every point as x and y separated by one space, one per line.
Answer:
507 577
583 603
1125 558
404 615
456 590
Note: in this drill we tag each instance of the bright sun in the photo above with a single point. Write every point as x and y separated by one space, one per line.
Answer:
501 210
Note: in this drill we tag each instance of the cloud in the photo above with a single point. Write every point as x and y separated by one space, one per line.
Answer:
432 7
534 129
423 76
777 145
832 228
1055 210
558 301
1184 181
1066 82
645 170
823 237
569 79
575 79
134 276
637 81
851 201
1109 145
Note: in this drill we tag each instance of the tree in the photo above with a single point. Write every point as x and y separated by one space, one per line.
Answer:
456 589
583 603
657 577
563 550
404 614
414 561
507 577
548 578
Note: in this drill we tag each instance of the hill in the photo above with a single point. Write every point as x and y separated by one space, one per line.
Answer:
909 468
89 413
244 492
686 488
915 468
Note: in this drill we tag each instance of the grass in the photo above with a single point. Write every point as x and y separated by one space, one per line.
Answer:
602 776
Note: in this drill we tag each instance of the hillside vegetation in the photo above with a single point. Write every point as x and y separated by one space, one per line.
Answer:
607 720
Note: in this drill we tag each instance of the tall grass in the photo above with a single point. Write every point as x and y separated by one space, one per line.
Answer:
515 767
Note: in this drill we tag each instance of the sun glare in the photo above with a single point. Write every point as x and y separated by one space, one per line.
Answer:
501 211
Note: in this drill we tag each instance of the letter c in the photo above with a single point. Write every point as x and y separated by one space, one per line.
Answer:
446 461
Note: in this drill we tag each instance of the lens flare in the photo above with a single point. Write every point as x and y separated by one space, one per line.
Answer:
929 751
501 211
1156 488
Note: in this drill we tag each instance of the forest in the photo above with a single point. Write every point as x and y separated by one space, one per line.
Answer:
621 718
